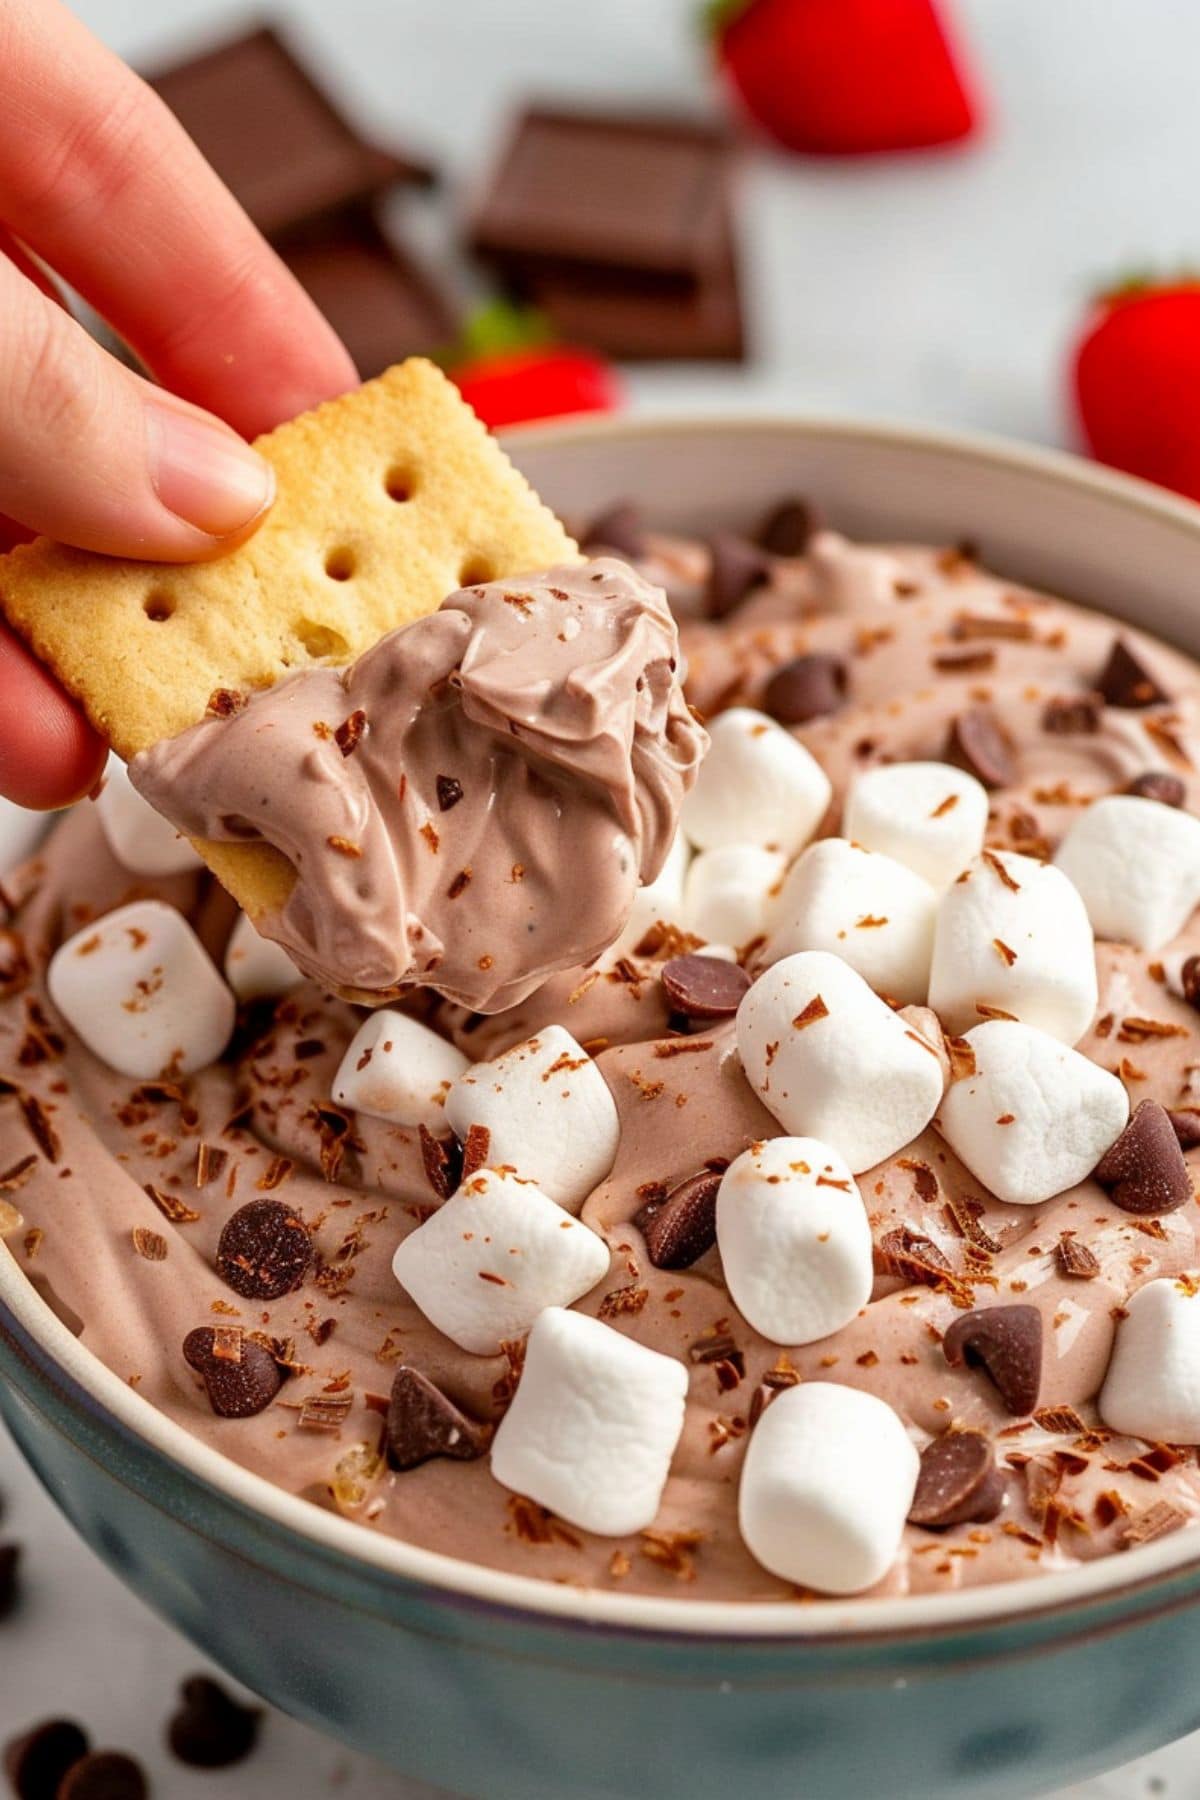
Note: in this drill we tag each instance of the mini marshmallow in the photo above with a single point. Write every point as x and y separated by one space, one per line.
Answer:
593 1426
493 1257
255 967
1035 1118
866 908
660 899
827 1484
1137 864
1152 1389
757 785
397 1069
139 989
140 838
729 891
831 1061
1014 934
549 1112
794 1239
928 815
21 831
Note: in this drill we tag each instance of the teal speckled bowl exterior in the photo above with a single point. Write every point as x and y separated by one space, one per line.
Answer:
509 1689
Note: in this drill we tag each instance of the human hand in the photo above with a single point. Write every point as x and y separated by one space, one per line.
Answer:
100 186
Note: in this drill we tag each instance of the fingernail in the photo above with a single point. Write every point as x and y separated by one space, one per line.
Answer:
204 473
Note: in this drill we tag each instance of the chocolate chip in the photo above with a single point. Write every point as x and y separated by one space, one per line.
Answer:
10 1559
36 1762
264 1250
237 1389
958 1482
423 1422
449 791
104 1775
1006 1342
979 745
1144 1171
1126 681
736 568
618 527
211 1729
1067 714
808 687
680 1228
349 733
787 528
704 987
1189 980
1186 1126
1157 784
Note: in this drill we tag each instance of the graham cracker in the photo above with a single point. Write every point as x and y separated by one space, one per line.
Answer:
389 499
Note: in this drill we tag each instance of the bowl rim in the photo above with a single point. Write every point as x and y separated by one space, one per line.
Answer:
848 1620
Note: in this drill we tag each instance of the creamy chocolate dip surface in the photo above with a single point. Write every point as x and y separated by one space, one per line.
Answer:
124 1188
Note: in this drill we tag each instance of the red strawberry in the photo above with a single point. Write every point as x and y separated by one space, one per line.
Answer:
1136 382
846 77
544 382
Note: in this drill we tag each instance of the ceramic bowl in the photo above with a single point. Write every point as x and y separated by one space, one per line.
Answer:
510 1689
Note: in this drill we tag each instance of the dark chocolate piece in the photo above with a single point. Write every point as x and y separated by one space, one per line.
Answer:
680 1228
1189 980
449 792
1006 1343
10 1561
1126 681
237 1386
704 987
211 1730
787 528
1157 784
1144 1171
423 1422
1186 1126
808 687
383 305
978 744
1075 1260
642 318
104 1775
958 1482
736 568
1070 714
264 1250
36 1762
619 527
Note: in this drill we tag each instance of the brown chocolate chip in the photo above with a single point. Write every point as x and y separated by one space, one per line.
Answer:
264 1250
787 528
808 687
349 733
10 1559
979 745
1006 1342
449 791
1068 714
104 1775
704 987
736 568
680 1228
423 1422
237 1387
36 1762
210 1729
1144 1171
958 1482
1186 1126
618 527
1189 980
1126 681
1157 784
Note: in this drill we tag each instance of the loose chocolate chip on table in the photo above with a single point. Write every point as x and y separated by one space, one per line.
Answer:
423 1422
1070 713
736 568
704 987
618 528
958 1482
36 1762
808 687
10 1558
211 1729
104 1775
1186 1126
679 1229
1157 784
1144 1171
786 529
1126 681
237 1388
264 1250
1006 1342
979 745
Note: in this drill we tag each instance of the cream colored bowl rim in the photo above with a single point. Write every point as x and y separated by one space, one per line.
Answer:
1003 1603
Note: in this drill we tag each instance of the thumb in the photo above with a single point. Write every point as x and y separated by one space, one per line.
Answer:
94 455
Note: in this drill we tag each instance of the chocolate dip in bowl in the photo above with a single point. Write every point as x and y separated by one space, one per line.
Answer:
490 1682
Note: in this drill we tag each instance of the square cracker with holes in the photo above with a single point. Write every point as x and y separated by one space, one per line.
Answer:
388 499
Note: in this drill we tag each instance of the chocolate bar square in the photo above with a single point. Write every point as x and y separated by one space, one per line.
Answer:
378 299
638 318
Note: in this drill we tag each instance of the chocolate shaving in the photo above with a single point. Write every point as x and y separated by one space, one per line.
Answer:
1155 1522
349 733
151 1245
1075 1260
1058 1419
325 1412
275 1174
1073 713
442 1160
37 1118
210 1160
171 1206
476 1150
1126 681
224 702
619 1301
912 1256
19 1173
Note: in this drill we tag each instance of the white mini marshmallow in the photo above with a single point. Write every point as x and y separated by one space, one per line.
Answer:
660 899
794 1239
1137 864
757 785
827 1484
493 1257
139 989
927 815
1152 1389
549 1112
1035 1118
21 831
868 909
397 1069
593 1426
729 892
140 838
1018 940
255 967
832 1061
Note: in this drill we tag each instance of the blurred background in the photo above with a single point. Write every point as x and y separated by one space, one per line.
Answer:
948 285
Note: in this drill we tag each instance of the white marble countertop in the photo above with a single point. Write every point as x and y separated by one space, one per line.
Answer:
941 289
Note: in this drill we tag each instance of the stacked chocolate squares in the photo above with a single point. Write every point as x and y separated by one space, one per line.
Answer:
314 187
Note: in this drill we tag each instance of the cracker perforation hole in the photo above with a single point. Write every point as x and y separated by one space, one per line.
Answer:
340 563
158 606
321 641
475 570
399 483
